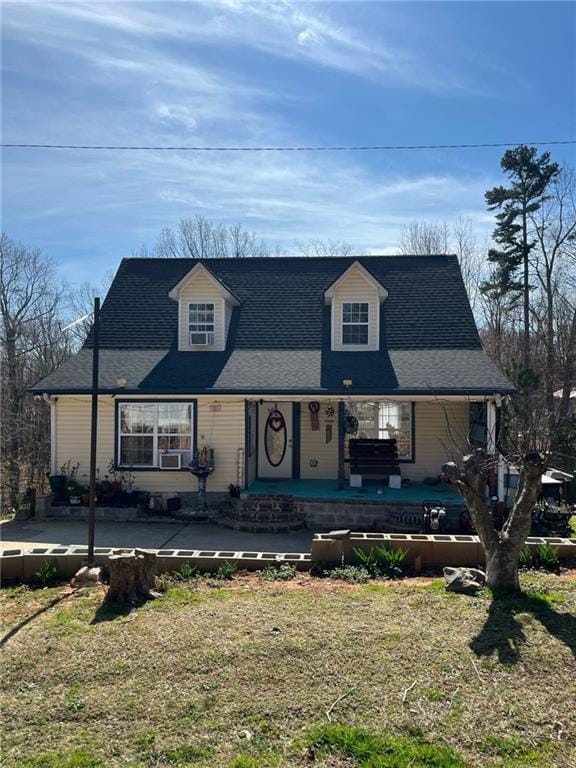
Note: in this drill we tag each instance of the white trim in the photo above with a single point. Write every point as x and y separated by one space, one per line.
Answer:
155 434
207 342
373 344
223 291
491 427
53 449
330 292
354 347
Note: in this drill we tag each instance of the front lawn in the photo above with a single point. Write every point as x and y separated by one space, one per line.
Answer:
308 672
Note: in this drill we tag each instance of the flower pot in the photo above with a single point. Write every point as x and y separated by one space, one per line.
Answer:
115 486
57 483
75 500
85 498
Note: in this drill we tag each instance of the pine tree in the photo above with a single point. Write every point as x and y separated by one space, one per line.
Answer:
530 176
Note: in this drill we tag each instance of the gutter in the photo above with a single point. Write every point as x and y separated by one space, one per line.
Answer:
492 392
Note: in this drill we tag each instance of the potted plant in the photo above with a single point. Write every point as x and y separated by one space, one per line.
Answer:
57 482
74 491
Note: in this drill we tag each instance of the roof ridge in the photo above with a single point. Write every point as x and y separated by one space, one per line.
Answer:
299 258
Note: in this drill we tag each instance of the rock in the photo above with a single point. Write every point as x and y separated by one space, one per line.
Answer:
88 577
466 581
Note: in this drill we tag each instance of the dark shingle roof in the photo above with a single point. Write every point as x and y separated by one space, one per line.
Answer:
301 370
279 337
282 302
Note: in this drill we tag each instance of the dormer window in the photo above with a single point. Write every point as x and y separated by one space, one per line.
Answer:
201 324
355 299
355 328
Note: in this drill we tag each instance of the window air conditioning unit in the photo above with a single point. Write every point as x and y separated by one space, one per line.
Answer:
170 460
201 339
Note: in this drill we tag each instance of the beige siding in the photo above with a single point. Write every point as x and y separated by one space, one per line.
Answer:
356 287
438 427
221 430
201 288
313 445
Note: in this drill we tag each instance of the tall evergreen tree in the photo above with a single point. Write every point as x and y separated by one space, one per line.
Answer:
530 176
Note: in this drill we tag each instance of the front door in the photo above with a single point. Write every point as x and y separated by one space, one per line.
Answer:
275 440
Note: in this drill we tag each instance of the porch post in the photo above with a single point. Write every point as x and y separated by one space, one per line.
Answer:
491 446
341 439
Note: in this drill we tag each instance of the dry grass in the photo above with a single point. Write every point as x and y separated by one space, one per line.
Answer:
239 675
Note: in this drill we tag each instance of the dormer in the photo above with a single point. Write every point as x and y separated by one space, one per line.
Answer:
355 299
204 311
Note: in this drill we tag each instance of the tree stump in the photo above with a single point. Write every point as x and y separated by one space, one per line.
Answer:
131 577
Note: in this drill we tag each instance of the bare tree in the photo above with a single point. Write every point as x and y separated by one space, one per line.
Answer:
199 238
501 547
324 248
31 346
554 265
470 257
425 238
79 303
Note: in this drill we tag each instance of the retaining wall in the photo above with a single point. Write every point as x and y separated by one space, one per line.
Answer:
433 550
18 566
330 548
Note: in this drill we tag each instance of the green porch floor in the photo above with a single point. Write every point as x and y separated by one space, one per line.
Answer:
415 493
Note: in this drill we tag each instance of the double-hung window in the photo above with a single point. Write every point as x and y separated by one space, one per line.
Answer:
355 323
146 430
387 420
201 323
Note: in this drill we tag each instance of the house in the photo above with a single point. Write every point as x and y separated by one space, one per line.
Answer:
275 364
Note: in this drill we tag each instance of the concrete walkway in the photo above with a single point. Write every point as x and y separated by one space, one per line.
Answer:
31 533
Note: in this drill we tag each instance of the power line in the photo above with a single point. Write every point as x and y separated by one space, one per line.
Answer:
361 148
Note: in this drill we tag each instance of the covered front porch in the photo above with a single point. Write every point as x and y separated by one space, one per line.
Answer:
300 467
307 439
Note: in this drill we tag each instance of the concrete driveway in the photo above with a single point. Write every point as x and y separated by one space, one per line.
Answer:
31 533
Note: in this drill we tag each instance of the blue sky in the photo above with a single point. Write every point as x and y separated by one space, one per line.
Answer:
272 73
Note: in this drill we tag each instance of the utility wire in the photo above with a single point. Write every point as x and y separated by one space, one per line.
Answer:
382 147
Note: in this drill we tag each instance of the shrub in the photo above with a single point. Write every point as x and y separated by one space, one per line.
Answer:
548 558
382 561
279 572
355 574
526 559
226 571
47 573
186 572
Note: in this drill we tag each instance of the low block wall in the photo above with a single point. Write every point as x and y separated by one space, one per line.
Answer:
17 566
434 550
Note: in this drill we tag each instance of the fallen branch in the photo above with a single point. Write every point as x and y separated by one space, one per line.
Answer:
407 691
477 670
337 701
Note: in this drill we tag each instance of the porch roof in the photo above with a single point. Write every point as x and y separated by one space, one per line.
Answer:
303 371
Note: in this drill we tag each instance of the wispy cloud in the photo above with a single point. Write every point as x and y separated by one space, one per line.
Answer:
138 73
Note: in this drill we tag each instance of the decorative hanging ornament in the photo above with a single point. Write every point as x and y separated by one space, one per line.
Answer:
276 420
314 408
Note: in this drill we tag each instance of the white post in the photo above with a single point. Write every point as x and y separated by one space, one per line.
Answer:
52 403
491 427
491 413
